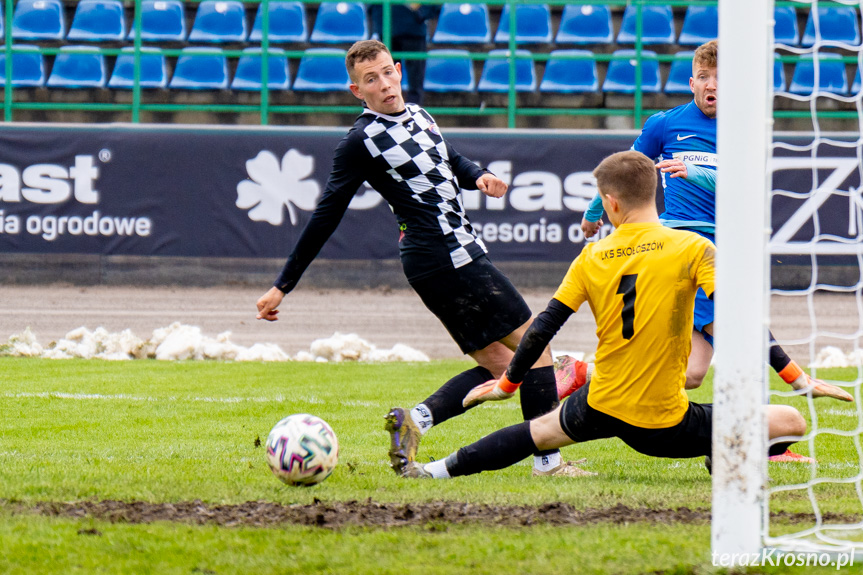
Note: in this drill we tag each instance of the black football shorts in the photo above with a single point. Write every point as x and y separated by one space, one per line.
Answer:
690 438
476 303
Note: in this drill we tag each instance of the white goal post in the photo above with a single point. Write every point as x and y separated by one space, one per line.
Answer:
744 132
753 161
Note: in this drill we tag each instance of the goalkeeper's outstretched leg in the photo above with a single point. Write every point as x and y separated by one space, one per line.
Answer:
575 421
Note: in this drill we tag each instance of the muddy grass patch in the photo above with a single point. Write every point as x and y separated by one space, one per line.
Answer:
337 514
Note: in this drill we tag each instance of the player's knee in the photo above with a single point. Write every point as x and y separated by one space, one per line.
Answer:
547 433
496 370
785 421
494 358
796 422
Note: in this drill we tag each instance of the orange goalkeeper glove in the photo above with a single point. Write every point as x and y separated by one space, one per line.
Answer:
800 380
492 390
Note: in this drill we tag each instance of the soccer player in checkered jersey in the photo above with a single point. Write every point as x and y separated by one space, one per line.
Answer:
683 140
640 283
398 149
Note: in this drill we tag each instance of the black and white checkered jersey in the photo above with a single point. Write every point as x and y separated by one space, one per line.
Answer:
407 161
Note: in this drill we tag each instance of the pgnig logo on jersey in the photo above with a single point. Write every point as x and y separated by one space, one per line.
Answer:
434 129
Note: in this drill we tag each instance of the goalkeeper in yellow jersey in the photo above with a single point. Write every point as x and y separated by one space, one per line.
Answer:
640 283
683 140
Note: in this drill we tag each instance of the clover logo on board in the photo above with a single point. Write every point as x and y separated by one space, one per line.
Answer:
274 186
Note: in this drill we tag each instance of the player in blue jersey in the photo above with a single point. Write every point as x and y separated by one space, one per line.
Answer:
683 141
398 149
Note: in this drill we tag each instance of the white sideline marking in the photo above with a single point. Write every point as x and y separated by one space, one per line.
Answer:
501 405
840 412
61 395
124 397
843 465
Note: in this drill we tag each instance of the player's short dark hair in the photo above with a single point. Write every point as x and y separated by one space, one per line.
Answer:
706 55
362 51
629 176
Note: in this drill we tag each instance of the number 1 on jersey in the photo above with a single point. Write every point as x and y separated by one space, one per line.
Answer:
627 288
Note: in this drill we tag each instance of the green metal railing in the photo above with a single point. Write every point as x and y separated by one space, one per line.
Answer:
265 108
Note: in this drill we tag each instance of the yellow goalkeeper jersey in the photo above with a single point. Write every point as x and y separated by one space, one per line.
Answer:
640 282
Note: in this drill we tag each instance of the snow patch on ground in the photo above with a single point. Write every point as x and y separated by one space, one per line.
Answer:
185 342
834 357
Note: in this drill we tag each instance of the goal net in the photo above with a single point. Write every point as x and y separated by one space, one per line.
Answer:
809 255
818 234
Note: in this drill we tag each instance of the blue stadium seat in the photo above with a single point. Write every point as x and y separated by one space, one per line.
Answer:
249 69
700 25
98 21
837 25
39 20
831 75
161 21
532 24
219 21
340 22
153 69
587 24
495 73
322 70
785 30
658 25
78 67
621 73
287 22
778 75
855 87
449 74
198 70
463 24
569 76
679 74
28 67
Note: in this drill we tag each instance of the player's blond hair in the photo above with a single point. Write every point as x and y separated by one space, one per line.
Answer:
706 55
629 176
362 51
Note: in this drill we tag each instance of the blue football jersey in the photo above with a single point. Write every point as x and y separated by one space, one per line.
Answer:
682 133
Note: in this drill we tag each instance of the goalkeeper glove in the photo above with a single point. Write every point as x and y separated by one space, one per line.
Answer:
803 381
492 390
819 388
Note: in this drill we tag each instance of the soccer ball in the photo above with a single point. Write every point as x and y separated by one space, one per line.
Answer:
302 449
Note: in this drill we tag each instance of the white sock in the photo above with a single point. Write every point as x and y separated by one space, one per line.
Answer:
422 417
546 462
438 469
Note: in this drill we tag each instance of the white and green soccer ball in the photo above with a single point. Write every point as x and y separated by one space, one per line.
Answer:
302 449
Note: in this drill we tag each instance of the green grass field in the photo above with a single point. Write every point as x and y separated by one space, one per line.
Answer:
159 432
